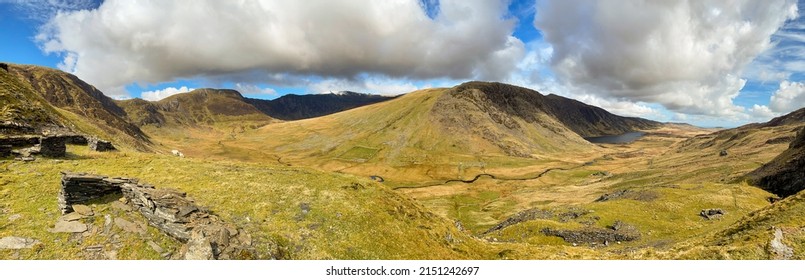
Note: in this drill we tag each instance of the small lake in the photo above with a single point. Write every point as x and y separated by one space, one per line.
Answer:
616 139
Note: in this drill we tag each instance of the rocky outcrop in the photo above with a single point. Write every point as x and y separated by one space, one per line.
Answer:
785 174
171 211
99 145
527 215
778 249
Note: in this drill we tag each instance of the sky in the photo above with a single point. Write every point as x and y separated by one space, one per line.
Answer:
704 62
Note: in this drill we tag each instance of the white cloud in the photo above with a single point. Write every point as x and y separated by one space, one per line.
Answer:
149 42
245 88
157 95
373 85
762 112
686 55
789 97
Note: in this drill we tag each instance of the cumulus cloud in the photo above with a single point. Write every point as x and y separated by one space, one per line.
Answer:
122 42
686 55
157 95
373 85
245 88
789 97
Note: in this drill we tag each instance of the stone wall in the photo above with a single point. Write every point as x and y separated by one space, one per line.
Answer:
205 235
52 146
99 145
5 151
78 188
20 141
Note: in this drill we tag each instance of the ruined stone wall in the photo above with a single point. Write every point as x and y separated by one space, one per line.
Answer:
19 141
52 146
78 188
99 145
205 235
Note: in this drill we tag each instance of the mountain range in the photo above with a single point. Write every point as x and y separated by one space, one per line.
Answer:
481 170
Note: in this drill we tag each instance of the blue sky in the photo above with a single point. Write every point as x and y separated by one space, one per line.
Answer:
709 63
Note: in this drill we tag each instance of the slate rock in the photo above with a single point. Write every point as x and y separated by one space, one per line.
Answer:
83 210
128 226
69 226
14 242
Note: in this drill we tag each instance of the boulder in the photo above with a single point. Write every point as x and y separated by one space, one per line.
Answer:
723 153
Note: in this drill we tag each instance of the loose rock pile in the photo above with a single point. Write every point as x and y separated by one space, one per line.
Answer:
99 145
206 235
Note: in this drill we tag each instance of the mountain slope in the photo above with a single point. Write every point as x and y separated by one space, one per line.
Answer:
435 134
21 109
71 94
296 107
785 174
585 120
201 107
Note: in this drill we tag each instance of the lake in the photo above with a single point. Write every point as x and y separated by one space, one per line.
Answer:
616 139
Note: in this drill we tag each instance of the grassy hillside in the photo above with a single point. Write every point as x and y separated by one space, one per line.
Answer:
423 136
20 104
753 237
71 94
291 213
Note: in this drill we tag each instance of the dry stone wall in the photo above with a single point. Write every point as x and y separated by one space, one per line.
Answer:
205 235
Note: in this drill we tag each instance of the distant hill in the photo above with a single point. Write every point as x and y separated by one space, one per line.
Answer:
196 108
297 107
56 97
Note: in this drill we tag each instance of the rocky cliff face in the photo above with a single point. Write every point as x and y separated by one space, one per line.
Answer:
785 174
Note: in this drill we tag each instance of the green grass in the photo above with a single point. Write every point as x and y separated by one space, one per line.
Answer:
359 153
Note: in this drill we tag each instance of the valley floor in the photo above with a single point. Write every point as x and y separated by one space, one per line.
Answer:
621 201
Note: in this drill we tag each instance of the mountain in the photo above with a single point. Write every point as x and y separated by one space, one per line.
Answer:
201 107
785 174
296 107
430 134
585 120
70 103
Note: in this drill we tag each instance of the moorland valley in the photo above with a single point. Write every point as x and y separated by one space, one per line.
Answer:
481 170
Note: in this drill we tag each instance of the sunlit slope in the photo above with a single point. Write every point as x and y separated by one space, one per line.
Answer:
431 134
85 104
774 232
290 212
195 121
